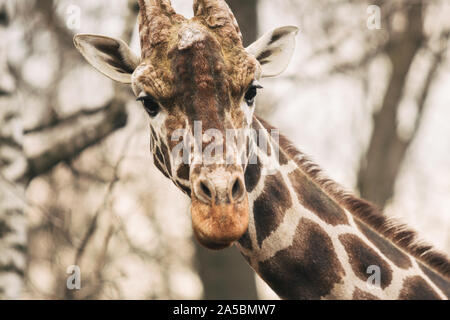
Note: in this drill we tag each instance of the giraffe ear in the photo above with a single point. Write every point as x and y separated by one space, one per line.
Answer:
274 50
110 56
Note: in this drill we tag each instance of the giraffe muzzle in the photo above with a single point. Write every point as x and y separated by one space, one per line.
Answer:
219 209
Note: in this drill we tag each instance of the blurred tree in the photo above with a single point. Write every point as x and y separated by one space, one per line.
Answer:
246 13
13 167
402 39
225 274
17 169
386 152
85 129
102 121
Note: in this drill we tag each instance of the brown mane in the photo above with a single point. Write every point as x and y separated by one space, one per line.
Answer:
368 213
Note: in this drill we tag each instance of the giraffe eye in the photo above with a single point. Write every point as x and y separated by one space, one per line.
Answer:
251 93
150 105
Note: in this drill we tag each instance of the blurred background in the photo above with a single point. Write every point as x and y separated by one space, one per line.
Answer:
366 96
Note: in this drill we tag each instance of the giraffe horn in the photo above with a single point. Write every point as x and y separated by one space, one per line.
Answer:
155 19
217 14
164 5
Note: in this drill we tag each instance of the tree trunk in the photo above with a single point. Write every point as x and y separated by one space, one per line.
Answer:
380 166
225 274
246 13
13 166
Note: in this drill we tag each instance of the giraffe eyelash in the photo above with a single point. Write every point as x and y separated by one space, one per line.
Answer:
251 92
150 105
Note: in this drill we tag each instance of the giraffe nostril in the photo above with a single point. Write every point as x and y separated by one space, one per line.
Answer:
205 190
220 191
237 189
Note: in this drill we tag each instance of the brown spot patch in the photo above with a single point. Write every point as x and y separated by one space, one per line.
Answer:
183 172
252 175
416 288
361 256
282 159
263 143
437 279
359 294
391 252
308 269
269 208
316 200
245 241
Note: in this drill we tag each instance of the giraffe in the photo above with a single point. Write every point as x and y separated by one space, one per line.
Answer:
301 232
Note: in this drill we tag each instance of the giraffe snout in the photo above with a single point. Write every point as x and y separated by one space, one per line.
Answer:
219 208
212 192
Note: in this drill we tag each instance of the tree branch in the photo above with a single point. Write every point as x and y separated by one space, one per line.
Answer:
88 131
67 121
438 58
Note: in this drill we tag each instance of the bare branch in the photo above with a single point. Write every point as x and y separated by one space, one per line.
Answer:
94 222
438 58
112 118
67 121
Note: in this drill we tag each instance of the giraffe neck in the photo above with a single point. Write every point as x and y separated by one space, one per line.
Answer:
305 245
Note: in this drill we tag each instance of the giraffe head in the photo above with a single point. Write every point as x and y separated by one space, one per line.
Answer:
198 84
